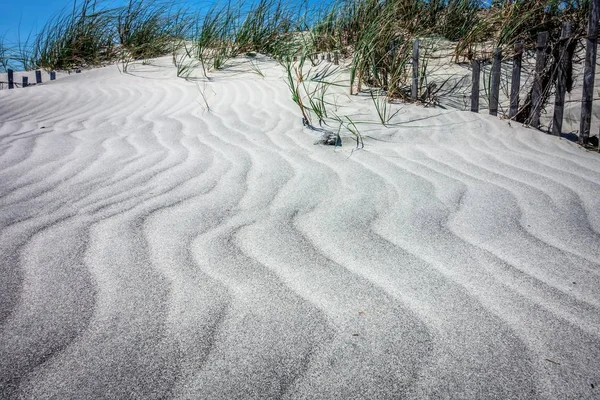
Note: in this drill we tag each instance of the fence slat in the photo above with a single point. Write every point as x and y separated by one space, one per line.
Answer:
561 81
38 77
515 81
415 71
589 72
25 81
495 84
475 86
11 82
536 93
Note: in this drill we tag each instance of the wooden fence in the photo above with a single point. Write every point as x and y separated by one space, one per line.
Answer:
25 82
565 54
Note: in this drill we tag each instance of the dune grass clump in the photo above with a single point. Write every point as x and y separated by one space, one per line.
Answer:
229 30
92 34
267 25
212 37
148 29
508 22
83 37
452 19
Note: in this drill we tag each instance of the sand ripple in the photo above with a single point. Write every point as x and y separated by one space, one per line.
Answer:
152 248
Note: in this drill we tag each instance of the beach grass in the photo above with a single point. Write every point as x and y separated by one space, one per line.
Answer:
376 38
92 33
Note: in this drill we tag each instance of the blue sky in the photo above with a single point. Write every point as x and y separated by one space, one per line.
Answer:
29 16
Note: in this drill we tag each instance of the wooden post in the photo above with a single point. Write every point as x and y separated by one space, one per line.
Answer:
11 81
336 58
561 81
515 83
475 86
536 93
328 57
38 76
25 81
52 75
495 84
589 72
415 71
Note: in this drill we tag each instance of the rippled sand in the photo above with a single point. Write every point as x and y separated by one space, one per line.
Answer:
151 248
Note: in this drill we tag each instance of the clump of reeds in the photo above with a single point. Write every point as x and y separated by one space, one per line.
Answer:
507 22
148 29
92 34
85 36
268 24
212 37
228 30
452 19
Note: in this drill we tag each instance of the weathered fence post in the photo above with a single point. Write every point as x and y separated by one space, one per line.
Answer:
11 82
536 93
475 86
25 81
415 71
336 58
38 77
515 82
52 75
589 72
561 81
495 84
328 57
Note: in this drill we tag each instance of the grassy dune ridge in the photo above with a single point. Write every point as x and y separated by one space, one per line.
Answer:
374 37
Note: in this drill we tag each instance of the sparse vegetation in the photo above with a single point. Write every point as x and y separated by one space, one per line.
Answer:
148 29
373 37
82 37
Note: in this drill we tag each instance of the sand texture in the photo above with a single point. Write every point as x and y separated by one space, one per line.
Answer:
153 248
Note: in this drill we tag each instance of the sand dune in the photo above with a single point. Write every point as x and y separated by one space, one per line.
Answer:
154 248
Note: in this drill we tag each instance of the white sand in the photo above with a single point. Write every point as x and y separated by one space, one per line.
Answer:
153 249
